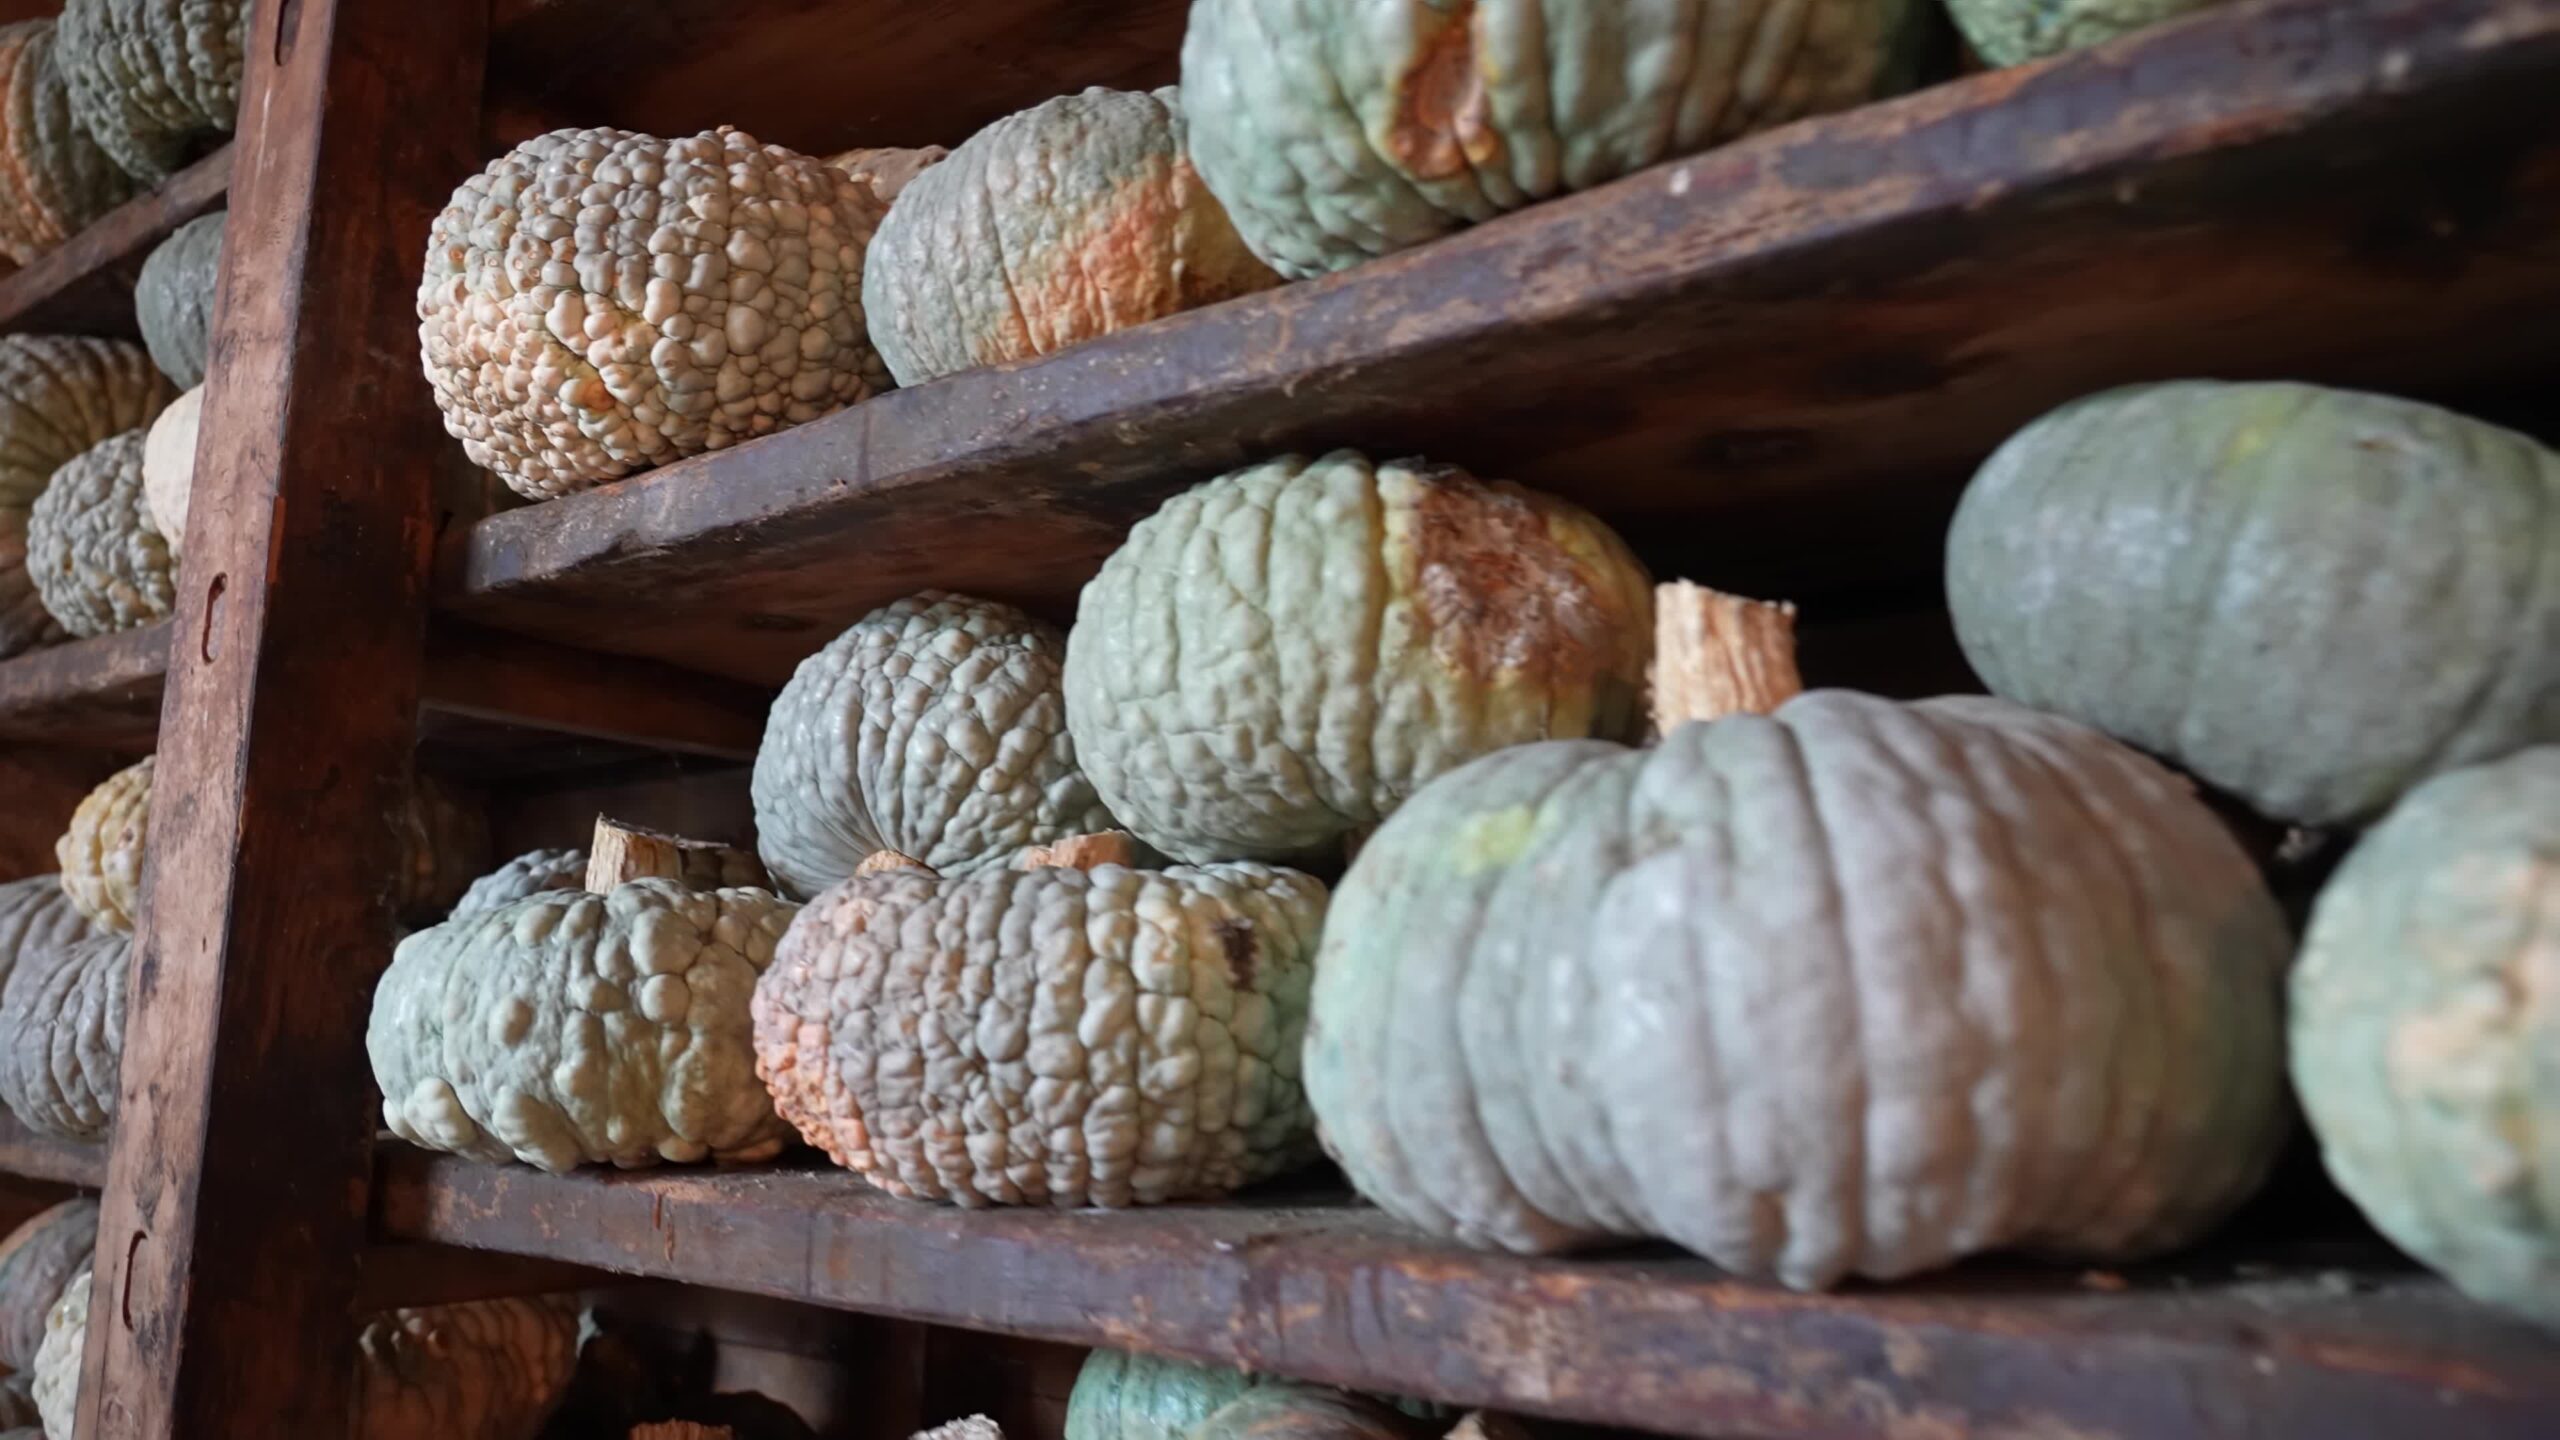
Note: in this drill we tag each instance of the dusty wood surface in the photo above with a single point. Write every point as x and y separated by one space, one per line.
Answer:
1771 364
102 692
2324 1345
230 1233
620 853
85 287
819 75
40 785
49 1158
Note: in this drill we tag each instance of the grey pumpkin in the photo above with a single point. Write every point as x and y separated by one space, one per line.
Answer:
97 559
59 395
156 81
173 299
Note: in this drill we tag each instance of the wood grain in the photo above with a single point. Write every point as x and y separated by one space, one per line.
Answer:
102 692
85 286
234 1211
1771 364
2323 1343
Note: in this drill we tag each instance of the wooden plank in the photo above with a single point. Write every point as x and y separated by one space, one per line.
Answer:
234 1210
406 1274
102 692
50 1158
1770 364
2324 1344
820 75
85 287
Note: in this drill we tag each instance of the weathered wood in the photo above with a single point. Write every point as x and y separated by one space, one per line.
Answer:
102 692
85 286
2330 1343
619 854
234 1210
393 1276
50 1158
1769 364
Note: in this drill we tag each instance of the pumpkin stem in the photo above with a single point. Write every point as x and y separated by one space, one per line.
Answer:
1716 654
1081 852
623 853
879 860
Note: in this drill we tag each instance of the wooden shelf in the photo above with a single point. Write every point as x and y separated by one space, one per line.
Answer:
1771 364
32 1156
102 692
2325 1343
85 287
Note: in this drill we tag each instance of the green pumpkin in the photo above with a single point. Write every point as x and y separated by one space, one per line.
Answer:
54 179
157 81
1856 988
1286 1411
1340 130
37 1261
2426 1036
173 299
2012 32
1121 1396
2312 598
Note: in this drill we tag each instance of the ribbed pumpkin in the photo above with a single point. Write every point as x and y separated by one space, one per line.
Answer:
1280 656
169 467
1070 220
58 397
62 1035
98 562
54 179
2312 598
2012 32
1124 1396
173 298
1340 130
2426 1028
37 1262
37 913
156 81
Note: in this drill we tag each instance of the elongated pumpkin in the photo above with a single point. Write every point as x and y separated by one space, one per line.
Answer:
58 397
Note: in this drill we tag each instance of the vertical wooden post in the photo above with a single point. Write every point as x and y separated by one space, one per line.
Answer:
234 1208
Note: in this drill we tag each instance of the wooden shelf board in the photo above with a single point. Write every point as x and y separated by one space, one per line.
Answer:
102 692
1771 363
25 1153
2321 1344
85 287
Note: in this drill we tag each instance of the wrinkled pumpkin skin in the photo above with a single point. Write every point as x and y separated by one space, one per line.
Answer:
1304 1412
99 563
1122 1396
1859 988
59 396
1280 656
37 1263
1337 131
2426 1028
173 299
532 873
35 914
2312 598
1068 221
54 178
2012 32
1047 1037
62 1036
156 81
57 1368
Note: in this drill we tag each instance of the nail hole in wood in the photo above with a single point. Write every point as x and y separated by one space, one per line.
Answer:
288 21
212 614
124 1299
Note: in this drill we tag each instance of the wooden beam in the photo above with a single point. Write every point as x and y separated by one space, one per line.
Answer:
234 1211
102 692
85 286
50 1158
399 1275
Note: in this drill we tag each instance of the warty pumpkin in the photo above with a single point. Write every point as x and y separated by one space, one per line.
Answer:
98 562
54 178
1048 1036
59 395
62 1035
156 81
2012 32
1341 130
169 467
173 298
532 873
38 1262
2426 1037
2312 598
1853 988
1278 657
596 302
935 727
1067 221
57 1367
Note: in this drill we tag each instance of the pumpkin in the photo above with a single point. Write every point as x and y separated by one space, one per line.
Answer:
1857 987
156 81
1341 130
97 561
934 727
1124 1396
1304 1412
2425 1044
54 179
18 1412
58 397
173 299
1068 221
1278 657
169 467
62 1035
1049 1036
2012 32
887 169
534 872
569 1028
57 1367
38 1260
2309 597
36 913
596 302
101 851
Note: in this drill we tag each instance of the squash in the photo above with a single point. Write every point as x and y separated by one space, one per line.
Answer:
97 561
1341 130
37 913
169 467
2012 32
173 298
935 727
535 872
1278 657
62 1035
58 397
1049 1036
37 1262
1857 987
596 302
2312 598
2426 1046
57 1367
1068 221
1123 1396
54 179
1304 1412
156 81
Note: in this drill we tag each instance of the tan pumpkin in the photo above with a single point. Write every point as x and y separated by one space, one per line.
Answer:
59 395
54 179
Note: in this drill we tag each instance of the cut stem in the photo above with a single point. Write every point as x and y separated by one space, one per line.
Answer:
1716 654
1081 852
623 853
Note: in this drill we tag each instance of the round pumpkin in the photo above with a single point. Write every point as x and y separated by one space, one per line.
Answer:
169 467
934 727
98 562
535 872
57 1368
2311 598
2012 32
54 179
35 913
62 1035
1123 1396
1858 988
2426 1038
1070 220
1280 656
1341 130
173 298
156 81
1304 1412
101 850
58 397
37 1262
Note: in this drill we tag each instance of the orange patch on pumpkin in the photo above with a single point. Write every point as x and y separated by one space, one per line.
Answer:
1440 128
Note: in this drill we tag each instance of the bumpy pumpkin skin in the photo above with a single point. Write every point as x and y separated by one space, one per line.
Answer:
1859 988
2312 598
1121 1396
596 302
54 179
62 1036
156 81
935 727
98 562
2013 32
487 1370
173 298
57 1369
1304 1412
37 1263
38 913
1341 130
1282 655
1068 221
572 1029
58 397
532 873
1048 1037
2426 1028
101 851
